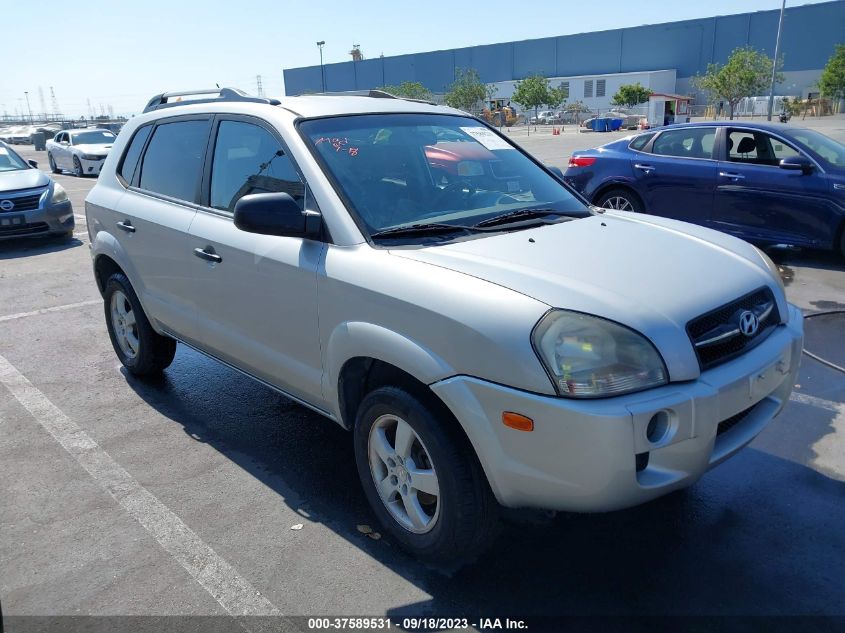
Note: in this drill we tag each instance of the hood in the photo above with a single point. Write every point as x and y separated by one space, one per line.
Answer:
648 273
97 148
22 179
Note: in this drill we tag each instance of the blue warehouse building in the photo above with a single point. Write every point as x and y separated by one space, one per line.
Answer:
810 33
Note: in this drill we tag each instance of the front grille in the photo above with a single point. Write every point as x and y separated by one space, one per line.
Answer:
24 229
731 422
716 336
21 203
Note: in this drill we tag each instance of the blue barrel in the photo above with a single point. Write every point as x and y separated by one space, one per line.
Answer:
615 124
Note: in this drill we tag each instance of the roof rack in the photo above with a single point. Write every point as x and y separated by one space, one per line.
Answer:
163 100
374 94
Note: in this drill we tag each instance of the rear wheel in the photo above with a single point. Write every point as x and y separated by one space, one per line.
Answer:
77 168
620 200
421 478
53 167
139 347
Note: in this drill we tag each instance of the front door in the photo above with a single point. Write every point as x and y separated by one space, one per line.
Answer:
757 200
256 294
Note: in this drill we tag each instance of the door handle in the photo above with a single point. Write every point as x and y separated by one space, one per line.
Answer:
126 225
646 168
208 255
732 175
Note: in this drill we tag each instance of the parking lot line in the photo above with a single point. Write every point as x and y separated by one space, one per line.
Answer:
234 593
61 308
821 403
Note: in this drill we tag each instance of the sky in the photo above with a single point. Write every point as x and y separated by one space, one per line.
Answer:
121 53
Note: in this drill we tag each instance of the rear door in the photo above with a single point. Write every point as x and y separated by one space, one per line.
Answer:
757 200
676 173
155 213
256 294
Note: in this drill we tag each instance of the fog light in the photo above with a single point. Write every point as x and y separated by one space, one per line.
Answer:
658 427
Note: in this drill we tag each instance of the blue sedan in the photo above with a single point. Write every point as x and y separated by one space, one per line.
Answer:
764 183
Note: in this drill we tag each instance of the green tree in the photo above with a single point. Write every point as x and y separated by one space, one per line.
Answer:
832 80
532 92
746 74
409 90
557 97
467 90
630 95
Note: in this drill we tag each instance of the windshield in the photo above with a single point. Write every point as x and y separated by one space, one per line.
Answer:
9 161
92 138
830 150
407 169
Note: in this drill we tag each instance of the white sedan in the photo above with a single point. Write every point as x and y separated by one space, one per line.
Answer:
81 151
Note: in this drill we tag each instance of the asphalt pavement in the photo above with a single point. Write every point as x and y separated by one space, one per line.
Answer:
178 497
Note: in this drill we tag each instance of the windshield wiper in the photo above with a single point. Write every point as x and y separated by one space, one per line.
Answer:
518 216
433 228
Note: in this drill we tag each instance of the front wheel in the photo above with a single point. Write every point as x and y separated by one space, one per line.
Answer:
142 350
421 477
620 200
77 168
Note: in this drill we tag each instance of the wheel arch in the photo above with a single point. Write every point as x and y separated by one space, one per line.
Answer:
616 184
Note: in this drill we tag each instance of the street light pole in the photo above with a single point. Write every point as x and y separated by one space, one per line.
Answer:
27 106
320 45
775 62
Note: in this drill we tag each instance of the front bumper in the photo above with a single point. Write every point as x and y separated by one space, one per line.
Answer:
583 454
91 167
50 219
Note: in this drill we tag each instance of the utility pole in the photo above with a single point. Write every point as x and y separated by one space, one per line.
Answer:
775 62
258 86
320 45
27 107
55 103
43 103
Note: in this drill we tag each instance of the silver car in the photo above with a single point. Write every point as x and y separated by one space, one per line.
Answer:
31 203
488 338
80 151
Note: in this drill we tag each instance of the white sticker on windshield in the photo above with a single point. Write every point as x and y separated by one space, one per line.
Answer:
487 138
3 151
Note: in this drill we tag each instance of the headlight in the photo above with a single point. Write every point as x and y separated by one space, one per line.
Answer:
773 268
589 357
59 193
91 157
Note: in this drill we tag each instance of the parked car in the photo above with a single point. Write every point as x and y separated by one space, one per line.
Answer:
545 117
18 135
487 337
80 151
765 183
31 203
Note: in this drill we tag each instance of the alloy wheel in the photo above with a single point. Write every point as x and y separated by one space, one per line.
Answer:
404 474
124 324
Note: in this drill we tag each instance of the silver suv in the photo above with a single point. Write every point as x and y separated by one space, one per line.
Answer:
403 269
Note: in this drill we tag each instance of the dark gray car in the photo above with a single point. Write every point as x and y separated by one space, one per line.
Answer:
31 203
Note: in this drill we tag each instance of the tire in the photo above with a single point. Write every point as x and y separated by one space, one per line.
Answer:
453 525
77 168
621 200
53 167
141 349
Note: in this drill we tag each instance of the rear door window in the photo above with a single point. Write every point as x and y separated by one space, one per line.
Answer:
686 142
172 164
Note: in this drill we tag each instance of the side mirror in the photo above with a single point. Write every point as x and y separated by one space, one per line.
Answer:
33 163
275 214
557 171
798 163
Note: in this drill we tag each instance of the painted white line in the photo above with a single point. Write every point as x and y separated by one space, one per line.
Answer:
215 575
62 308
821 403
79 217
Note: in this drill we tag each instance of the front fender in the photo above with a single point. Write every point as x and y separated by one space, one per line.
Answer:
353 339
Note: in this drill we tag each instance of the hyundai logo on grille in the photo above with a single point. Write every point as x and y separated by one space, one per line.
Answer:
7 205
748 323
